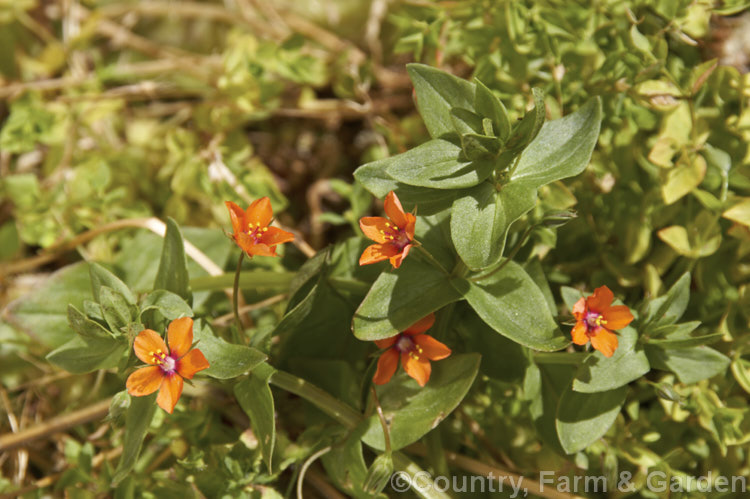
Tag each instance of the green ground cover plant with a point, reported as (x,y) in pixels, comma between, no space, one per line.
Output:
(356,249)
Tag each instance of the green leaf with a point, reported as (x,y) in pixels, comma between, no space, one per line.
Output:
(413,411)
(741,371)
(85,327)
(138,418)
(438,164)
(437,92)
(512,304)
(582,418)
(502,358)
(481,218)
(668,308)
(256,399)
(103,277)
(530,125)
(400,298)
(679,336)
(226,359)
(115,308)
(43,314)
(79,356)
(689,364)
(168,304)
(563,147)
(173,273)
(570,296)
(487,103)
(345,464)
(598,373)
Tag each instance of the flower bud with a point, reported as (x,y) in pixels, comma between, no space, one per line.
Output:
(558,218)
(379,474)
(118,407)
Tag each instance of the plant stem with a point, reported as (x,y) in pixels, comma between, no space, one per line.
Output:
(432,259)
(323,400)
(510,256)
(235,296)
(383,424)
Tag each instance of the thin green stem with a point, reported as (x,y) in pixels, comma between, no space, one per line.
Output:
(235,296)
(383,424)
(432,259)
(507,260)
(323,400)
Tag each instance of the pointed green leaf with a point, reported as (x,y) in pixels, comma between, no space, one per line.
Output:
(374,178)
(598,373)
(400,298)
(514,306)
(256,399)
(85,327)
(79,356)
(413,411)
(168,304)
(437,92)
(583,418)
(689,364)
(487,104)
(226,359)
(438,164)
(115,308)
(138,418)
(103,277)
(173,273)
(480,219)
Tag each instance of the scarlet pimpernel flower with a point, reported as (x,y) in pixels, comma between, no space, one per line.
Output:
(167,366)
(596,319)
(415,349)
(394,235)
(251,231)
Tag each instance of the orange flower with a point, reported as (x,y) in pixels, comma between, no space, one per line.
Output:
(596,319)
(394,235)
(251,230)
(416,351)
(167,365)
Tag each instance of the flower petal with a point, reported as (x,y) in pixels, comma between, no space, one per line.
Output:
(398,259)
(387,342)
(259,212)
(170,392)
(377,253)
(387,364)
(600,300)
(605,341)
(431,348)
(274,236)
(191,363)
(147,343)
(417,367)
(421,325)
(180,336)
(394,210)
(411,222)
(144,381)
(371,227)
(237,215)
(579,333)
(579,309)
(617,317)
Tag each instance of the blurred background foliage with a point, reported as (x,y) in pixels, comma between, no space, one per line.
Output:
(113,110)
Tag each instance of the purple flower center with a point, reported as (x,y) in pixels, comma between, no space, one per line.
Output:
(404,344)
(168,364)
(593,320)
(256,231)
(396,236)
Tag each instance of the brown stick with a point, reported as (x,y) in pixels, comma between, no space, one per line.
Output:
(87,414)
(478,468)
